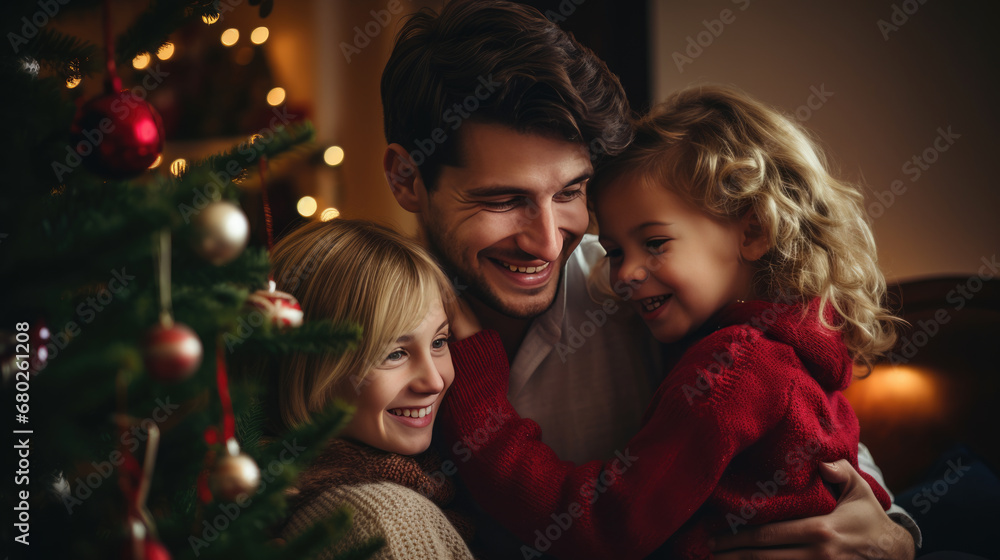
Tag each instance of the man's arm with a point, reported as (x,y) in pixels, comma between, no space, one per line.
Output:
(866,463)
(858,527)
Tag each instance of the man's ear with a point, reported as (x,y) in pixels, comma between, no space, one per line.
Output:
(754,241)
(404,178)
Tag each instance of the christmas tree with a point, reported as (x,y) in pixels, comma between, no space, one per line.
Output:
(128,294)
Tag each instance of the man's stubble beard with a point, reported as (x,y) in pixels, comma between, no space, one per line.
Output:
(468,283)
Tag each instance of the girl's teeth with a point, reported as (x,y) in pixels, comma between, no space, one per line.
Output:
(412,412)
(652,303)
(525,269)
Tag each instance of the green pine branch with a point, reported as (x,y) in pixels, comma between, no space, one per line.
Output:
(65,55)
(154,26)
(234,162)
(313,337)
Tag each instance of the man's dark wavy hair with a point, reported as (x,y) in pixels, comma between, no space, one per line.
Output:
(531,76)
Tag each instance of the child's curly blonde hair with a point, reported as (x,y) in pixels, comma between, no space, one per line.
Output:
(729,154)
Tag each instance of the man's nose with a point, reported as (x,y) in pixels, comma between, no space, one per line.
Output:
(540,234)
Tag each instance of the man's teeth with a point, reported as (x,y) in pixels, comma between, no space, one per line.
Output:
(651,303)
(525,269)
(412,412)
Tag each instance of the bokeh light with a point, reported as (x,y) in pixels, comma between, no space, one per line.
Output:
(307,206)
(166,51)
(259,35)
(230,36)
(141,61)
(276,96)
(333,156)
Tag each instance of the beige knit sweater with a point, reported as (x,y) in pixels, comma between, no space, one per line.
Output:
(412,526)
(390,495)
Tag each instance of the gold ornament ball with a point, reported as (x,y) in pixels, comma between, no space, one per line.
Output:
(222,232)
(234,475)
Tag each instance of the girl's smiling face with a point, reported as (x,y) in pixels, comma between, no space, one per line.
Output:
(683,265)
(397,401)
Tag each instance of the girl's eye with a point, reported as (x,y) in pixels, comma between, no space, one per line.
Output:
(395,356)
(656,246)
(439,343)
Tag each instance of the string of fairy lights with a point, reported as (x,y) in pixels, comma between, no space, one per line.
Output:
(333,156)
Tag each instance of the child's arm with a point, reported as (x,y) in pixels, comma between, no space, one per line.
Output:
(624,508)
(857,528)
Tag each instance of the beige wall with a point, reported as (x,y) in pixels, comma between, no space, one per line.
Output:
(889,98)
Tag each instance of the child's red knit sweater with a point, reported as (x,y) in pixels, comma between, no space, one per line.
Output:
(731,438)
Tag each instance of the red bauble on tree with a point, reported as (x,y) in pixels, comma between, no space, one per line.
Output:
(142,544)
(150,550)
(280,309)
(118,135)
(171,352)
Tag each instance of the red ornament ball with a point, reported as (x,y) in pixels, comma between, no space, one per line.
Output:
(39,340)
(140,544)
(13,344)
(234,475)
(171,353)
(117,135)
(151,550)
(279,308)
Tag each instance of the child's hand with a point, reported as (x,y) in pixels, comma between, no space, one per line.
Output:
(464,322)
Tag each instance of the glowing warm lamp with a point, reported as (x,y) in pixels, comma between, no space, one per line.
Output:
(210,18)
(178,167)
(307,206)
(140,61)
(276,96)
(333,156)
(901,390)
(230,36)
(166,51)
(329,214)
(259,35)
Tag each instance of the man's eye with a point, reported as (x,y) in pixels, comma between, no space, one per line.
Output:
(570,194)
(501,205)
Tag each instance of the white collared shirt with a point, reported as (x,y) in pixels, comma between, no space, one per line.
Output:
(585,370)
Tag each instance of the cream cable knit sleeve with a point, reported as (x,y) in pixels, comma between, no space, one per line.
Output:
(412,525)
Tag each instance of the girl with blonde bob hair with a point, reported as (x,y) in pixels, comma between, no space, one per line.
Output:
(365,274)
(756,269)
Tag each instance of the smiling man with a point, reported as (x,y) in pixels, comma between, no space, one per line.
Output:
(495,119)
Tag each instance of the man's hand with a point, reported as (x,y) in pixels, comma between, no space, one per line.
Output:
(463,321)
(856,528)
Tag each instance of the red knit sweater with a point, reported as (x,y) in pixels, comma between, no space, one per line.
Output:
(731,438)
